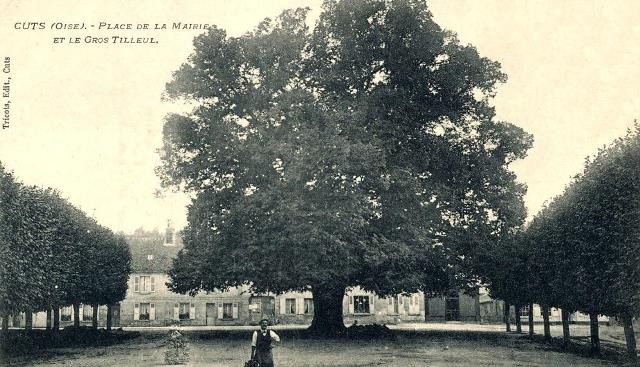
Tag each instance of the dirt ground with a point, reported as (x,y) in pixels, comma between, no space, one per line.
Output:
(448,345)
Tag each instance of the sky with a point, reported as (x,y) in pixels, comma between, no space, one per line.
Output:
(87,118)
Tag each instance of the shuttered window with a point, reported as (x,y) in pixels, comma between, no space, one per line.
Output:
(183,312)
(145,311)
(144,284)
(227,311)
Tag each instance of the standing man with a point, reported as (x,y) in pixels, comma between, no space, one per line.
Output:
(261,344)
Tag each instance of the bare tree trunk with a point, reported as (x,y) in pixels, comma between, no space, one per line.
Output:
(518,321)
(531,331)
(28,320)
(5,321)
(56,319)
(566,335)
(477,307)
(49,313)
(76,315)
(94,320)
(109,316)
(507,322)
(547,326)
(630,337)
(595,337)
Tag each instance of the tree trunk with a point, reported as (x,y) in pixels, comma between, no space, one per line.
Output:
(76,315)
(49,313)
(56,319)
(531,331)
(327,306)
(507,322)
(566,335)
(28,320)
(5,321)
(545,320)
(94,319)
(109,316)
(630,337)
(595,337)
(426,307)
(477,306)
(518,321)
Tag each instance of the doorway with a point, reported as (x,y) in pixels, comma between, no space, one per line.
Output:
(211,313)
(452,307)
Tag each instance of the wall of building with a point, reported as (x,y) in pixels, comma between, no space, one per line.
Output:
(285,315)
(383,310)
(467,309)
(492,311)
(207,309)
(203,309)
(40,318)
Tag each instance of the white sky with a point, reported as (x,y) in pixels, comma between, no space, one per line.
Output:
(87,118)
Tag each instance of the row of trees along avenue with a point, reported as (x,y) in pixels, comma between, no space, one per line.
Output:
(363,152)
(581,251)
(53,255)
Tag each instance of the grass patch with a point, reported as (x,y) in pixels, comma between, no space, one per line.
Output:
(21,342)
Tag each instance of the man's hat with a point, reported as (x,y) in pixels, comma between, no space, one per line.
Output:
(264,319)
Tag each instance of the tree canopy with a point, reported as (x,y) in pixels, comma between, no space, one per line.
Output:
(581,251)
(53,254)
(362,152)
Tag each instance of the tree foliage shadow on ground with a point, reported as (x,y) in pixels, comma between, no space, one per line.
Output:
(42,344)
(36,342)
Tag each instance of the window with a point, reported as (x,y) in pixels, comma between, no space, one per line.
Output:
(183,311)
(65,313)
(227,311)
(290,306)
(87,313)
(361,304)
(308,306)
(145,309)
(524,311)
(144,283)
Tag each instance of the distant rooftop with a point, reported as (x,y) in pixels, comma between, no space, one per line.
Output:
(152,251)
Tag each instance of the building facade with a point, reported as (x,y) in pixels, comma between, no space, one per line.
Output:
(149,302)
